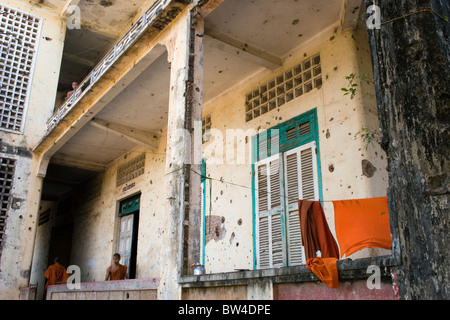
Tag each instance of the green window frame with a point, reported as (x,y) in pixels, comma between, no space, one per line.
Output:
(129,205)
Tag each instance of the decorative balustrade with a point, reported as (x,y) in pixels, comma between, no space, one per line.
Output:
(148,18)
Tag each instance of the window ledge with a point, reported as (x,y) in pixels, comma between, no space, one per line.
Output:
(348,270)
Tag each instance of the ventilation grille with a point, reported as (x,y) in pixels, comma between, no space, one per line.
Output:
(93,188)
(130,170)
(18,45)
(286,87)
(6,178)
(44,217)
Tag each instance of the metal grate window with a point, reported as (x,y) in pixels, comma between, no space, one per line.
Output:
(18,45)
(130,170)
(284,88)
(6,177)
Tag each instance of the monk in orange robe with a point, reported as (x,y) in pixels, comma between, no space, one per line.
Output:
(116,271)
(55,274)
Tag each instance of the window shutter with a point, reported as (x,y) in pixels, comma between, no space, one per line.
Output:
(264,241)
(275,189)
(271,243)
(295,250)
(301,183)
(308,181)
(125,238)
(277,240)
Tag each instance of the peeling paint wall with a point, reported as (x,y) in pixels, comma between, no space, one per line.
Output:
(17,249)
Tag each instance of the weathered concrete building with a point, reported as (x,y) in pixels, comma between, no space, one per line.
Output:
(159,151)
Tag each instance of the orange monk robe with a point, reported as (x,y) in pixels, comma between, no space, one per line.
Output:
(119,274)
(325,269)
(55,274)
(362,224)
(316,234)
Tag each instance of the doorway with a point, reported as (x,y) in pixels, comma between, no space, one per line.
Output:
(128,233)
(61,244)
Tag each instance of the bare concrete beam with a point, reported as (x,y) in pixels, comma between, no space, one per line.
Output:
(242,49)
(74,163)
(351,13)
(62,182)
(141,137)
(208,6)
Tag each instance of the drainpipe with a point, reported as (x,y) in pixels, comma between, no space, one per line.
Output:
(181,229)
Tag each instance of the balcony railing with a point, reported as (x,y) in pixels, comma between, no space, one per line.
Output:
(142,289)
(148,18)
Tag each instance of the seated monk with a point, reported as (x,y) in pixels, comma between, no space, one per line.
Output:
(116,271)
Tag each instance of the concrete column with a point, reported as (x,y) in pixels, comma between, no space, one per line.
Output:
(183,185)
(22,223)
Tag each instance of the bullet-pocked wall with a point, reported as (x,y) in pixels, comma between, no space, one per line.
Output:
(229,241)
(349,168)
(96,227)
(21,221)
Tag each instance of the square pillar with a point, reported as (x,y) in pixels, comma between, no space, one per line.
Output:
(184,143)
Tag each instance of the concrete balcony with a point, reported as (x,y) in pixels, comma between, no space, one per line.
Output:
(142,289)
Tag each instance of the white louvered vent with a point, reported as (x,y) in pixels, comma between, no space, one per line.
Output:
(264,241)
(292,178)
(277,241)
(275,193)
(19,34)
(295,256)
(263,194)
(308,188)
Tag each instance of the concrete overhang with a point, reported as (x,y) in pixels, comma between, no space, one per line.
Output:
(242,38)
